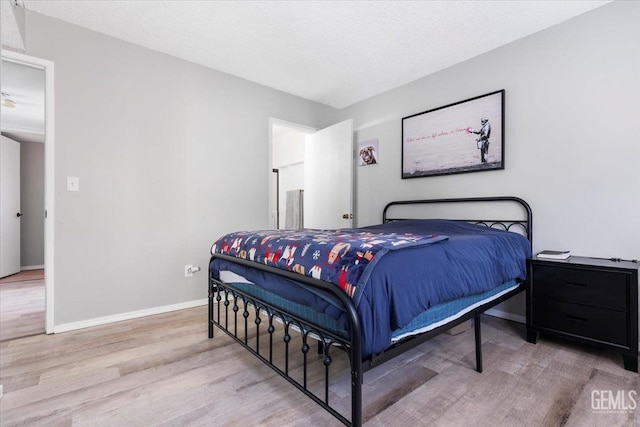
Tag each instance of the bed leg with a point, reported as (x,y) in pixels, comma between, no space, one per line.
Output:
(476,325)
(210,322)
(356,394)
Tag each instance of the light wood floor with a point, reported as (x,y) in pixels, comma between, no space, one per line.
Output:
(22,302)
(163,370)
(23,276)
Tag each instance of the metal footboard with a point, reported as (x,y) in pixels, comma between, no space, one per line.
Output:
(229,305)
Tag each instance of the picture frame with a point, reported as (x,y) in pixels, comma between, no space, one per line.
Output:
(369,152)
(466,136)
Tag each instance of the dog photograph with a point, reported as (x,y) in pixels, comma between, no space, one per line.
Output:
(368,152)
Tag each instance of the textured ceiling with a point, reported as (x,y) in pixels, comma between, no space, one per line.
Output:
(333,52)
(25,86)
(10,30)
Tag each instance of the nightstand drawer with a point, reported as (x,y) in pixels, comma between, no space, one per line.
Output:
(600,324)
(592,287)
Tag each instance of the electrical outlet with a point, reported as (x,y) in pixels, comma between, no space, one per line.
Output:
(188,270)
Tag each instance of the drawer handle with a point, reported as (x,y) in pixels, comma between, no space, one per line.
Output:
(579,319)
(578,285)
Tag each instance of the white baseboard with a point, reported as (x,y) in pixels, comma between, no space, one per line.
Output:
(65,327)
(31,267)
(506,315)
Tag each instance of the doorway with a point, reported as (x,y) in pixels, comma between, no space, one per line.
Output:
(287,166)
(26,130)
(312,176)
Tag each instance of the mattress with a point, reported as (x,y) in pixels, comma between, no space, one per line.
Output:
(405,283)
(428,320)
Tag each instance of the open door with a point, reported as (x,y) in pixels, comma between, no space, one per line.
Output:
(328,177)
(9,206)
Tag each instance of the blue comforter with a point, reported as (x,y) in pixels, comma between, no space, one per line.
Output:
(343,257)
(407,281)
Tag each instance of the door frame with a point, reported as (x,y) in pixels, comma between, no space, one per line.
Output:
(49,176)
(307,130)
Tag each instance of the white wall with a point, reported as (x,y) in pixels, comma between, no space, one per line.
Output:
(571,110)
(288,148)
(288,157)
(572,105)
(170,155)
(163,148)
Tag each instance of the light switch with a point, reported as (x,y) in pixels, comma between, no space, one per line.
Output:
(73,183)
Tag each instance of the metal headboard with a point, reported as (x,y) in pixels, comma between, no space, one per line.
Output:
(525,222)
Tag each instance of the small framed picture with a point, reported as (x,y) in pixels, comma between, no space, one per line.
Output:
(368,152)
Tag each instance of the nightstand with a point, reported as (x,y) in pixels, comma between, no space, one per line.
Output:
(589,300)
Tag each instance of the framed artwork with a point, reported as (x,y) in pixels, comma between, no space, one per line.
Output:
(467,136)
(368,152)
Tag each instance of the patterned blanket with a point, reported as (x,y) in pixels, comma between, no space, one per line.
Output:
(343,257)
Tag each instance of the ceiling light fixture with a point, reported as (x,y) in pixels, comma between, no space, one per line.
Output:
(7,101)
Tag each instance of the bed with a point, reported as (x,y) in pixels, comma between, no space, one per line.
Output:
(373,292)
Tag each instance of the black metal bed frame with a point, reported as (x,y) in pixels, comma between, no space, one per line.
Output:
(228,303)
